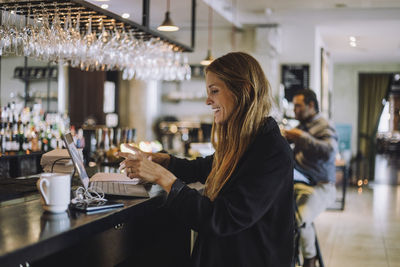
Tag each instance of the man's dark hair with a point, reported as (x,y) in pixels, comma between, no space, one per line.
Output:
(309,96)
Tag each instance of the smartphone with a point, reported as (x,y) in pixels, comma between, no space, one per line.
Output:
(96,206)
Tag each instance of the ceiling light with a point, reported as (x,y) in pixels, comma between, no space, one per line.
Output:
(167,25)
(104,6)
(125,15)
(352,39)
(209,58)
(353,44)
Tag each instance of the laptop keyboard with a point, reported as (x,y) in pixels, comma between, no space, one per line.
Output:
(110,188)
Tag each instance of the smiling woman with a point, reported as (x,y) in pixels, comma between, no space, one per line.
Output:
(220,98)
(245,216)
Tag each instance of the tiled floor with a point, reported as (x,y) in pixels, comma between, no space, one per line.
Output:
(366,233)
(387,169)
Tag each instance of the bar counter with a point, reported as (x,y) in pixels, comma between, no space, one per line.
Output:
(142,233)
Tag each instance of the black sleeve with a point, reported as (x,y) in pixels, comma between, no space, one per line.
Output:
(263,174)
(191,171)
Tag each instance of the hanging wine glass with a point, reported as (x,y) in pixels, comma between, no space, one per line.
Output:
(188,72)
(19,37)
(90,51)
(43,43)
(56,39)
(28,35)
(35,48)
(10,39)
(3,32)
(101,46)
(77,43)
(68,46)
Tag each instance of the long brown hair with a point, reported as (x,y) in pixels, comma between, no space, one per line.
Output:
(245,78)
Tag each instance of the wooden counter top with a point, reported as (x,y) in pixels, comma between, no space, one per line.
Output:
(29,235)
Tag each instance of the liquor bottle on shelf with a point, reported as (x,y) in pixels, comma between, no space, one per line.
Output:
(2,138)
(8,138)
(24,130)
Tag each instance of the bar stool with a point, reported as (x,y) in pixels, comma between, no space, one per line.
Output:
(298,259)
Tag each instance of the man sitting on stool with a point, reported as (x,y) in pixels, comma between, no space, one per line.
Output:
(315,149)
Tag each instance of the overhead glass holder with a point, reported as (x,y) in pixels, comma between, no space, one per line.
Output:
(99,17)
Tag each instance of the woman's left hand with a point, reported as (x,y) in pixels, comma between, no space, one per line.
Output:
(137,165)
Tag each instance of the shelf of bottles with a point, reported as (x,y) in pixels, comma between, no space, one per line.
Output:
(25,130)
(101,143)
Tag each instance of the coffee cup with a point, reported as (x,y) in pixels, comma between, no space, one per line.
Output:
(55,191)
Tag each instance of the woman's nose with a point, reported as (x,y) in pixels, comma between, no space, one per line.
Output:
(208,100)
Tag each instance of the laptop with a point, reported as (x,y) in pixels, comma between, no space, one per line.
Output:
(115,184)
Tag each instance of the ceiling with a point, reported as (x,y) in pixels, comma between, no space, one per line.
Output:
(375,23)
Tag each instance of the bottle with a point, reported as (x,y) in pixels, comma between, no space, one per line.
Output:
(20,135)
(8,138)
(2,139)
(45,141)
(34,140)
(15,137)
(26,147)
(52,138)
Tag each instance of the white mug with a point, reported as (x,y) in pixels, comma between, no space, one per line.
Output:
(55,189)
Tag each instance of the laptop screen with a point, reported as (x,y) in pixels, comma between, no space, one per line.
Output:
(76,159)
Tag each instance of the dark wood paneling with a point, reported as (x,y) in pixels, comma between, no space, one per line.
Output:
(86,94)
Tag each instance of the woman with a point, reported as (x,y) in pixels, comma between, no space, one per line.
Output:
(245,216)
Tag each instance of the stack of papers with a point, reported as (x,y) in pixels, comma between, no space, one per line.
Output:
(61,160)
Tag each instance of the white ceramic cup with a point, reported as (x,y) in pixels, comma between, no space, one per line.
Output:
(55,189)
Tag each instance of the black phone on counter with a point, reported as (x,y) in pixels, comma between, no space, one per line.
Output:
(96,206)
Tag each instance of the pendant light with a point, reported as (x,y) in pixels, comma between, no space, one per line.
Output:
(209,58)
(167,25)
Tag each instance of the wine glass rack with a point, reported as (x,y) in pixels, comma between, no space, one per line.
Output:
(86,11)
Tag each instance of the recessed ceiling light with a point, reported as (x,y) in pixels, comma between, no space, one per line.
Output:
(268,11)
(104,6)
(352,39)
(353,44)
(125,15)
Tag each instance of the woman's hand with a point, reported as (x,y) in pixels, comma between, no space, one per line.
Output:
(139,164)
(160,158)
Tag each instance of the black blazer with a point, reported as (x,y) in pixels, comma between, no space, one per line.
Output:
(251,221)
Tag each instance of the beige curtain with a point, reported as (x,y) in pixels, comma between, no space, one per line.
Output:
(373,88)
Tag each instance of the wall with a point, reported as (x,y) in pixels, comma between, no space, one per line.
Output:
(253,40)
(143,105)
(12,88)
(298,43)
(345,92)
(193,107)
